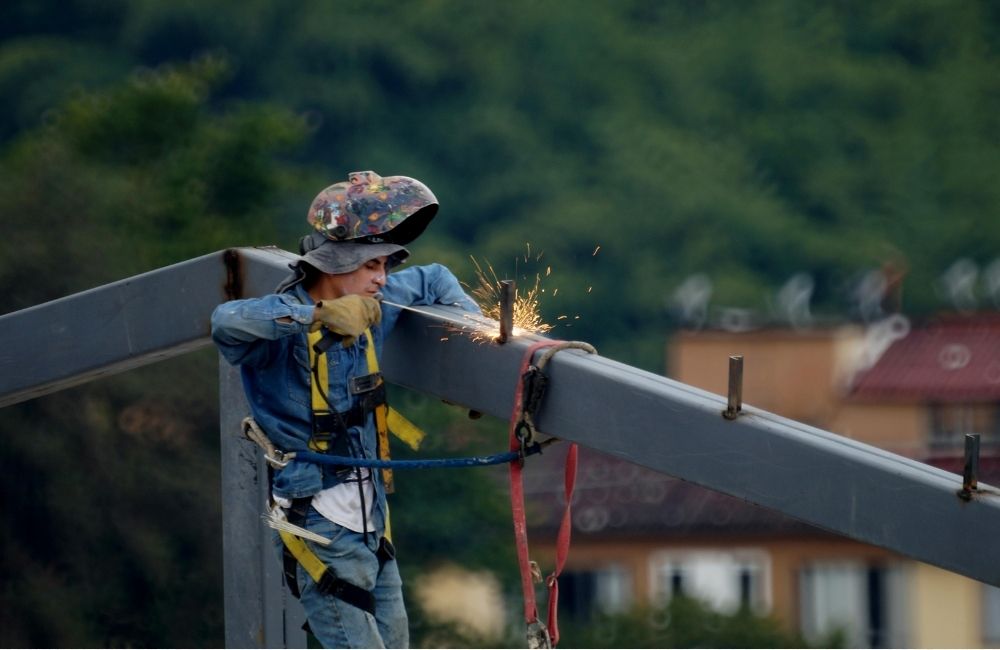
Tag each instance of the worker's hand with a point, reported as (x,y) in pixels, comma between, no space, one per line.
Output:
(349,316)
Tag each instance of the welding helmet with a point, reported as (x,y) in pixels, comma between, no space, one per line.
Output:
(368,208)
(365,217)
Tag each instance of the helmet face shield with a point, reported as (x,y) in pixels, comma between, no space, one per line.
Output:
(368,207)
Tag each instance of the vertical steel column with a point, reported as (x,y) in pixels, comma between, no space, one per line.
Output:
(260,613)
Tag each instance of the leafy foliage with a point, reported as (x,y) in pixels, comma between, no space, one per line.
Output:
(687,623)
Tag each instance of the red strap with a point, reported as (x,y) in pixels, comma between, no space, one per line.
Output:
(517,489)
(562,545)
(517,509)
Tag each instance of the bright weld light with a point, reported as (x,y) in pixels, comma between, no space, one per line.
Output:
(527,319)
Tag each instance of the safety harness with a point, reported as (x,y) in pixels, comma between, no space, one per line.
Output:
(330,433)
(329,445)
(330,426)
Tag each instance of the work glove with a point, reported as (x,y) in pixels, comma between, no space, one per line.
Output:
(349,316)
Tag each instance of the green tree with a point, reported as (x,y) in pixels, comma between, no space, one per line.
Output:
(112,521)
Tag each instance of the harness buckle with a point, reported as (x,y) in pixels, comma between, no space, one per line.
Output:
(365,383)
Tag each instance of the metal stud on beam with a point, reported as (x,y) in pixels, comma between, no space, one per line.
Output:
(508,293)
(735,400)
(970,473)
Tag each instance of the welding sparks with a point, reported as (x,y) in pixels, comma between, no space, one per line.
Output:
(527,318)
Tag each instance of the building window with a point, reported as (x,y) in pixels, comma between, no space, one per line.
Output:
(726,580)
(950,422)
(863,602)
(607,590)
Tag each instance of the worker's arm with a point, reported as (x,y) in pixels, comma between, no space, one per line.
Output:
(244,330)
(422,285)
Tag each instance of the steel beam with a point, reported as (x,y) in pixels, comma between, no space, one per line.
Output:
(832,482)
(126,324)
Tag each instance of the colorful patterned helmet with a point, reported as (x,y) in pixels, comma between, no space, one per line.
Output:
(369,208)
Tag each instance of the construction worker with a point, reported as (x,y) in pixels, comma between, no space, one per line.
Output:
(305,398)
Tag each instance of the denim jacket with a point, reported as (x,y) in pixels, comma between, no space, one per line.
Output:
(274,363)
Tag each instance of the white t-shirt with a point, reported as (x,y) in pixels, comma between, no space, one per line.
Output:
(341,503)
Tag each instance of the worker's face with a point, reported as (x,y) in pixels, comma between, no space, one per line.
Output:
(366,280)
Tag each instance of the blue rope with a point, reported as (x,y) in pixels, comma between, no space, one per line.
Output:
(471,461)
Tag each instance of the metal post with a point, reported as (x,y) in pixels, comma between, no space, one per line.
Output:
(971,468)
(508,294)
(735,398)
(260,613)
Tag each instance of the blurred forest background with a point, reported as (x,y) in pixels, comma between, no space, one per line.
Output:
(629,153)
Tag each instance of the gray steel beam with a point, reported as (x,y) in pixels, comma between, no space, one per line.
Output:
(832,482)
(126,324)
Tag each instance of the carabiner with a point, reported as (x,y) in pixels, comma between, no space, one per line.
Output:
(538,635)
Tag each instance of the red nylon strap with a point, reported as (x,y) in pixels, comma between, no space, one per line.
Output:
(517,509)
(562,545)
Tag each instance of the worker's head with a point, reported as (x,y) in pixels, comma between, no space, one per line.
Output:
(364,219)
(359,269)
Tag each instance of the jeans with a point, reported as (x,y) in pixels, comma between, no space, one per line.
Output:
(337,624)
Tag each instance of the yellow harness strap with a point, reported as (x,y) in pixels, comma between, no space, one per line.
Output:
(319,405)
(312,564)
(386,419)
(326,580)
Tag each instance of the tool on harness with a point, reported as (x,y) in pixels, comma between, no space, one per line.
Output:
(278,520)
(527,397)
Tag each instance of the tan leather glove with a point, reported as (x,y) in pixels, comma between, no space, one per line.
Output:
(349,316)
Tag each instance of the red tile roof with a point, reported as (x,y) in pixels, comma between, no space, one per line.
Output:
(951,359)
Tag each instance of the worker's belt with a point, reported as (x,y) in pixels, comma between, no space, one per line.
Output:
(296,551)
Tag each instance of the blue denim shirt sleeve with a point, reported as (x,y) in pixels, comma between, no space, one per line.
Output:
(432,284)
(242,328)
